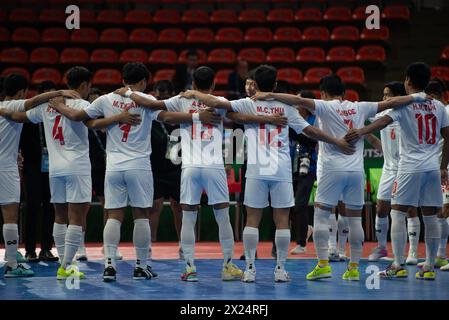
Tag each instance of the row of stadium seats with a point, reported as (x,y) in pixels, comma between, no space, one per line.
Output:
(173,16)
(341,54)
(196,35)
(445,55)
(441,72)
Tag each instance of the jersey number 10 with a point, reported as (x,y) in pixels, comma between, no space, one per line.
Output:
(429,121)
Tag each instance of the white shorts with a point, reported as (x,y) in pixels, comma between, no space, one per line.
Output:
(445,190)
(386,185)
(9,187)
(196,180)
(346,186)
(71,189)
(257,191)
(133,187)
(419,189)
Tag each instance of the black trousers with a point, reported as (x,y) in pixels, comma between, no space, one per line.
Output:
(39,212)
(304,186)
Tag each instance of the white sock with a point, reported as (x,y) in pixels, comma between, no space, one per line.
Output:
(72,242)
(225,233)
(111,239)
(321,233)
(413,230)
(333,228)
(432,235)
(59,231)
(343,232)
(142,241)
(188,236)
(11,237)
(250,241)
(282,239)
(398,232)
(82,244)
(444,226)
(356,237)
(382,226)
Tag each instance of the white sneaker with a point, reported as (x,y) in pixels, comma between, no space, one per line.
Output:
(378,253)
(412,259)
(298,250)
(334,256)
(81,254)
(343,257)
(249,275)
(445,268)
(280,275)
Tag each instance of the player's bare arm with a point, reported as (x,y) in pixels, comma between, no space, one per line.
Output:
(445,156)
(140,100)
(20,117)
(374,141)
(396,102)
(206,116)
(122,117)
(320,135)
(45,97)
(207,99)
(286,98)
(244,118)
(73,114)
(355,134)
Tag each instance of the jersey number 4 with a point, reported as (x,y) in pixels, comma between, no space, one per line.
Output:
(429,123)
(57,131)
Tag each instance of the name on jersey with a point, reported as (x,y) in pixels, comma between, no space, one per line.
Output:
(272,110)
(347,113)
(123,105)
(428,107)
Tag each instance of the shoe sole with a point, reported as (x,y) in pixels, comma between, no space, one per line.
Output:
(109,278)
(141,278)
(281,280)
(320,277)
(248,281)
(426,279)
(21,276)
(231,278)
(81,259)
(352,279)
(190,280)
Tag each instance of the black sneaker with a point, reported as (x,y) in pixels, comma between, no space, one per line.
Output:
(144,274)
(109,274)
(46,255)
(31,257)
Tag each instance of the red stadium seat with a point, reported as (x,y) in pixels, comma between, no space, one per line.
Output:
(258,35)
(315,34)
(287,34)
(311,54)
(352,95)
(104,56)
(281,15)
(281,55)
(164,74)
(138,16)
(113,35)
(24,72)
(30,35)
(290,75)
(55,35)
(202,56)
(221,56)
(74,55)
(345,33)
(440,72)
(44,74)
(224,16)
(166,56)
(44,55)
(133,55)
(382,34)
(222,77)
(172,35)
(107,77)
(88,16)
(166,16)
(396,12)
(314,75)
(143,35)
(53,15)
(252,55)
(351,75)
(371,53)
(341,54)
(445,53)
(309,15)
(359,13)
(337,14)
(195,16)
(14,55)
(23,15)
(251,16)
(4,34)
(84,35)
(200,35)
(225,35)
(110,16)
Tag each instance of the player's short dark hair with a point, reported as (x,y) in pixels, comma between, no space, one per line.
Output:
(14,83)
(77,75)
(332,85)
(45,86)
(164,86)
(307,94)
(203,77)
(265,77)
(436,86)
(282,87)
(418,74)
(133,72)
(251,75)
(397,88)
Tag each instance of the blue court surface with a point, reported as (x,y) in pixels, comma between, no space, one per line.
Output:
(210,287)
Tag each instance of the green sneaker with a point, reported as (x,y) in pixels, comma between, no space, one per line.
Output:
(70,271)
(352,274)
(19,257)
(440,262)
(320,273)
(190,275)
(393,272)
(19,272)
(424,274)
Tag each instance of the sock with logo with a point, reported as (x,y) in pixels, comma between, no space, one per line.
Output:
(11,236)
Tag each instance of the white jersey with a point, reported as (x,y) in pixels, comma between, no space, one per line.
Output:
(336,118)
(10,136)
(390,139)
(420,123)
(127,147)
(201,144)
(268,145)
(67,140)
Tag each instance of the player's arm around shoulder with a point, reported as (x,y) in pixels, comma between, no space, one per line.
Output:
(121,117)
(396,102)
(246,118)
(207,116)
(317,134)
(141,100)
(71,113)
(46,96)
(16,116)
(209,100)
(290,99)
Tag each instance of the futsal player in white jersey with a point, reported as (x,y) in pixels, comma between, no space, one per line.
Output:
(203,169)
(342,176)
(128,169)
(269,167)
(420,173)
(15,89)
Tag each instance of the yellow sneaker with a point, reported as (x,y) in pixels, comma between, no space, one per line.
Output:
(320,273)
(231,272)
(70,271)
(352,274)
(424,274)
(440,262)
